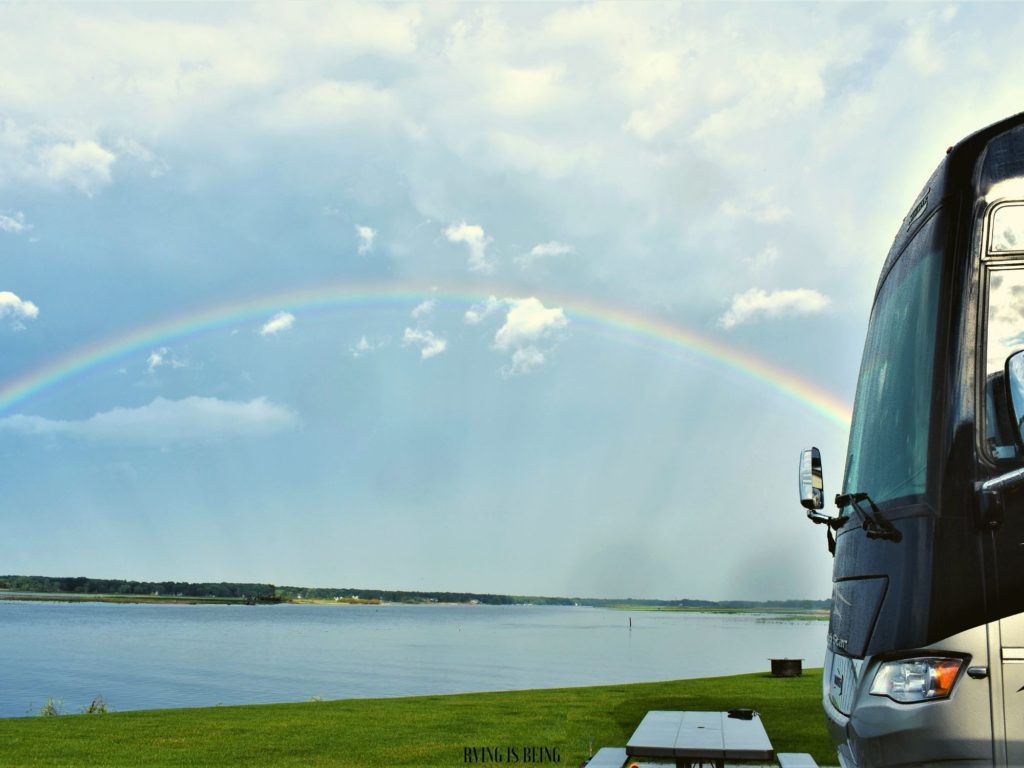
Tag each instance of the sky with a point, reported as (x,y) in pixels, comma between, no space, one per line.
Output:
(538,298)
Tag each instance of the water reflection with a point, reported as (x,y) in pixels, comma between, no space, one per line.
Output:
(150,656)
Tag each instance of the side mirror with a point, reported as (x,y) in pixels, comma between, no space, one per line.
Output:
(812,487)
(1015,393)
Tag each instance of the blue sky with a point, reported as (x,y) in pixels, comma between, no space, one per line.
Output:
(735,171)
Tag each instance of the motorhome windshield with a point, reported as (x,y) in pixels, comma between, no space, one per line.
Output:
(888,450)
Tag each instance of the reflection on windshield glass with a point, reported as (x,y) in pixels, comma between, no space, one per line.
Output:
(1008,229)
(1015,385)
(889,433)
(1004,335)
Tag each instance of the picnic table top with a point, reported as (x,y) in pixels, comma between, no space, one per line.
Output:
(708,735)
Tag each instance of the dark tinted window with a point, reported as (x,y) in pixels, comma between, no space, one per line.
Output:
(888,455)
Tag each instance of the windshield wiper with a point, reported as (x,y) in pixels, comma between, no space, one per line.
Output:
(874,524)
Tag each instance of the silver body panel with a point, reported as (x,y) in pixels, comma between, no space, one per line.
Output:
(1009,679)
(966,729)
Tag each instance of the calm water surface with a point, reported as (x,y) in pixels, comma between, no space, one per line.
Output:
(154,656)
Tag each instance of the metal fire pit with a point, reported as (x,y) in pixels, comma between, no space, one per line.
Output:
(787,667)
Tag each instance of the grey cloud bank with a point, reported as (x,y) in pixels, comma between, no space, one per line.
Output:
(163,422)
(731,173)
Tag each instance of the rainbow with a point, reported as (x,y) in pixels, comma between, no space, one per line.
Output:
(658,330)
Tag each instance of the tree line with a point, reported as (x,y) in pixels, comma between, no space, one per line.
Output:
(87,586)
(223,589)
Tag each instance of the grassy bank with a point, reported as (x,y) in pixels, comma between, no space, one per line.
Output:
(417,731)
(809,614)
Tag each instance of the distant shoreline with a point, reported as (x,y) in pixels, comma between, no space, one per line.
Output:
(78,588)
(781,614)
(72,597)
(809,614)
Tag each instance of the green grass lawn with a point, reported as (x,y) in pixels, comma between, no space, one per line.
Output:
(416,731)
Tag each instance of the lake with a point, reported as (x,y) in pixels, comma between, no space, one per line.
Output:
(140,656)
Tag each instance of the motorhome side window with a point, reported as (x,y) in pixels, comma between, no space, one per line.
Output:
(1004,324)
(888,453)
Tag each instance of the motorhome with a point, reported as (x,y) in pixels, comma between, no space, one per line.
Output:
(925,651)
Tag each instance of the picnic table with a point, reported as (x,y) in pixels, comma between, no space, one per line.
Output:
(696,738)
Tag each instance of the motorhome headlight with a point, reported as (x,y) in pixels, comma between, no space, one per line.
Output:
(922,679)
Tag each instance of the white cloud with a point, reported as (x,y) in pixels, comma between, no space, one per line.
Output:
(50,155)
(761,206)
(282,321)
(924,46)
(476,313)
(475,239)
(423,309)
(364,346)
(191,420)
(156,359)
(429,344)
(764,258)
(155,72)
(17,309)
(82,164)
(154,165)
(329,103)
(648,123)
(15,223)
(382,29)
(163,356)
(527,321)
(518,91)
(757,303)
(752,89)
(366,236)
(550,158)
(543,251)
(361,346)
(523,361)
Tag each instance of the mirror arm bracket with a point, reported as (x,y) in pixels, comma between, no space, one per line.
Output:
(990,504)
(990,509)
(832,522)
(1003,482)
(876,526)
